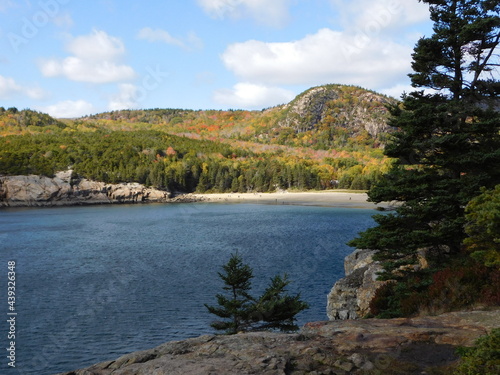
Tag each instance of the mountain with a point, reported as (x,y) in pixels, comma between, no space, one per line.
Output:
(329,136)
(322,117)
(349,107)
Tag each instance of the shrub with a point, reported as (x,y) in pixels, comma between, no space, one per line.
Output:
(481,359)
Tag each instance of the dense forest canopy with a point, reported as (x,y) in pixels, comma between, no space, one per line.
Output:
(210,150)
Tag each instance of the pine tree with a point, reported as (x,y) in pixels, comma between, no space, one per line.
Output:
(483,227)
(447,141)
(276,309)
(237,306)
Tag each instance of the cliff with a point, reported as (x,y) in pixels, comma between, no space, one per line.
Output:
(350,296)
(65,189)
(395,346)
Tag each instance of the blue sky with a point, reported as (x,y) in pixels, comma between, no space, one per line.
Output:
(70,58)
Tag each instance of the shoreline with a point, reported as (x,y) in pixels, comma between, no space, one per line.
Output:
(327,198)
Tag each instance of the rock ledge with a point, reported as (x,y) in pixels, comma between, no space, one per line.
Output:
(410,346)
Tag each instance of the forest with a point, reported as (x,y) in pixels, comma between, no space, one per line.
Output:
(196,151)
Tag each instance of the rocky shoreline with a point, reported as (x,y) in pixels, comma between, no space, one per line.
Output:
(362,346)
(343,345)
(68,189)
(65,189)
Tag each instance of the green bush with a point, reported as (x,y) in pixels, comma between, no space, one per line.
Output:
(481,359)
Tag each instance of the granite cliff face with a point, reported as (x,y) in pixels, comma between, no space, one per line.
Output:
(65,189)
(365,346)
(350,297)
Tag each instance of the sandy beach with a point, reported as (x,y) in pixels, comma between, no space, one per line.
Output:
(329,198)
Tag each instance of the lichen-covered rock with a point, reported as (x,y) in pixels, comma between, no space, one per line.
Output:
(350,297)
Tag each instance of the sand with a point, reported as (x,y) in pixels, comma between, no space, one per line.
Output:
(329,198)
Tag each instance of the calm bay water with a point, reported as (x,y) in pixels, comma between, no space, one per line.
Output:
(94,283)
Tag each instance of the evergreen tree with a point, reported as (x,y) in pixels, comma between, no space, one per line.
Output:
(483,227)
(276,309)
(447,142)
(236,307)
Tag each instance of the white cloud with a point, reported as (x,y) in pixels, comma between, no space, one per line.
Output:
(10,88)
(397,90)
(325,57)
(69,109)
(96,46)
(271,13)
(252,96)
(77,69)
(35,93)
(127,98)
(378,16)
(95,59)
(159,35)
(371,46)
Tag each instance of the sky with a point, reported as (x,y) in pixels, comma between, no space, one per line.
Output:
(71,58)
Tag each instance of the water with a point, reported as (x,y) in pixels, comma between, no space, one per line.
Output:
(94,283)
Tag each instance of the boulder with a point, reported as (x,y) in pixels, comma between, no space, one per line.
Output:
(31,190)
(350,297)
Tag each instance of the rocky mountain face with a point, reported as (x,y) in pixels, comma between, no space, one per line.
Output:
(38,191)
(365,346)
(349,107)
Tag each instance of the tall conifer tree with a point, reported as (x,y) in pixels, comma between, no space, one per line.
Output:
(447,139)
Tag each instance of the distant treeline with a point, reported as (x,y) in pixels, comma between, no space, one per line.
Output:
(154,159)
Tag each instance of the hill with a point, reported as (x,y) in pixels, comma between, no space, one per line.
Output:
(329,136)
(322,118)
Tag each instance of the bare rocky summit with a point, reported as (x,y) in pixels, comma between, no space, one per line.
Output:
(365,346)
(350,107)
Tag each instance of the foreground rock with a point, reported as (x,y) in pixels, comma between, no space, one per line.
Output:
(395,346)
(350,297)
(64,189)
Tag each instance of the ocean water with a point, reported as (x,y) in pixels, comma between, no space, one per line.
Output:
(96,282)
